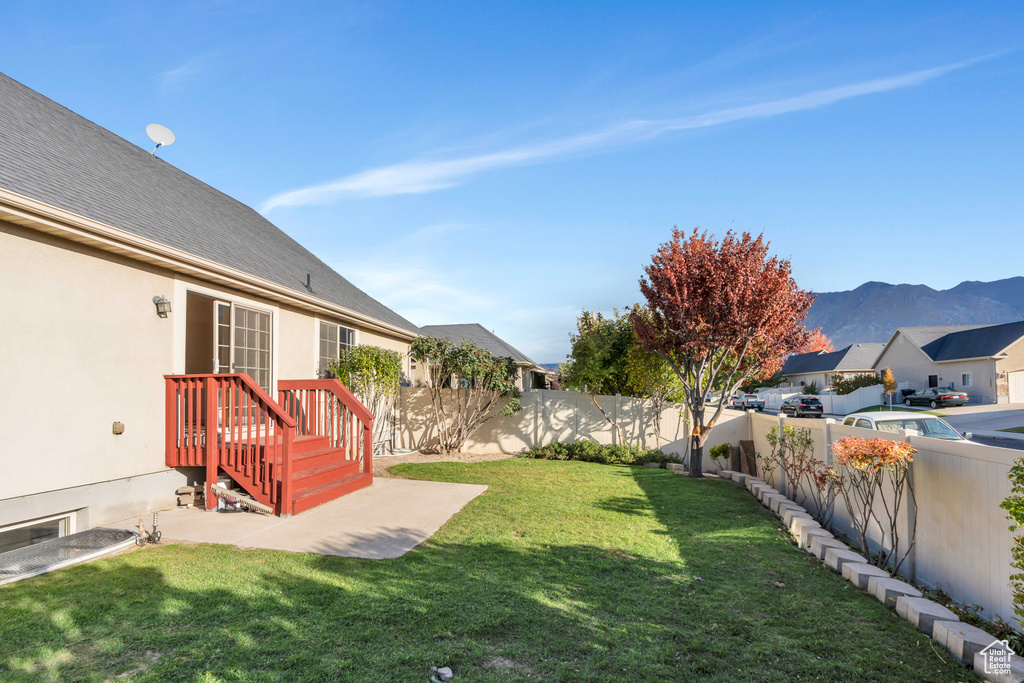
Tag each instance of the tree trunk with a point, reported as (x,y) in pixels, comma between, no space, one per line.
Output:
(697,445)
(696,458)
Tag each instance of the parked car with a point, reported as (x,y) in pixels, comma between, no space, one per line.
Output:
(750,401)
(936,398)
(894,421)
(802,406)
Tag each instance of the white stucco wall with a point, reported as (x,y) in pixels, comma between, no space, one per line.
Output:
(910,364)
(81,347)
(1014,362)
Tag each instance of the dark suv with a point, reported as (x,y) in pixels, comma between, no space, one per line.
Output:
(802,406)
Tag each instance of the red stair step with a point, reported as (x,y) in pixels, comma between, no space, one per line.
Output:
(313,477)
(310,498)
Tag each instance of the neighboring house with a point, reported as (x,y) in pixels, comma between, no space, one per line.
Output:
(531,375)
(986,361)
(96,237)
(819,368)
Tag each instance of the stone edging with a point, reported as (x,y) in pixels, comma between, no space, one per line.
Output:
(963,641)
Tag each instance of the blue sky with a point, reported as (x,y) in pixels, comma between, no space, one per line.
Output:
(510,164)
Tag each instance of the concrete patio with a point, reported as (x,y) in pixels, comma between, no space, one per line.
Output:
(385,520)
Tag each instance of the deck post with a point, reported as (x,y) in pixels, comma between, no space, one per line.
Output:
(287,433)
(368,448)
(171,424)
(210,451)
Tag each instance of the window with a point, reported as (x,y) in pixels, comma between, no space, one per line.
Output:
(39,530)
(965,379)
(252,345)
(333,340)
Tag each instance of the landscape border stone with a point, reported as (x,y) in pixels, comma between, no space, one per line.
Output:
(837,557)
(963,641)
(888,589)
(923,613)
(860,574)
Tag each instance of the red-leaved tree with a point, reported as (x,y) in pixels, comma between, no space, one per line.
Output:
(816,343)
(721,313)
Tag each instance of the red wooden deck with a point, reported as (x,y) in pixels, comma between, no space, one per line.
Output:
(311,446)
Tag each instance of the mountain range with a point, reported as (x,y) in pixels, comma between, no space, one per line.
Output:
(873,311)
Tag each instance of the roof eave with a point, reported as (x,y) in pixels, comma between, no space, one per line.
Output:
(31,213)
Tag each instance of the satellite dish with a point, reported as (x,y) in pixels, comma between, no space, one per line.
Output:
(161,135)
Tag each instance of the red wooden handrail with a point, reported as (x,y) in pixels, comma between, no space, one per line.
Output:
(302,399)
(229,421)
(347,398)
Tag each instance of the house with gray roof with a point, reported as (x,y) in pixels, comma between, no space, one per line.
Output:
(819,368)
(121,275)
(986,361)
(531,375)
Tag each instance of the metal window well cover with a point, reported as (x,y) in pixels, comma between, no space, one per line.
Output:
(47,556)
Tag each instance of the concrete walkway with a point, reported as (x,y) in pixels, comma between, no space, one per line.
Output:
(385,520)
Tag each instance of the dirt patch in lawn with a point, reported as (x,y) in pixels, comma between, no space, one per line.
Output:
(381,464)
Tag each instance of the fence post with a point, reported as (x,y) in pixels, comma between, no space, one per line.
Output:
(909,568)
(576,418)
(538,406)
(828,440)
(782,457)
(615,420)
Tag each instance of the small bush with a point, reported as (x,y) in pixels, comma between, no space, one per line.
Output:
(842,386)
(722,452)
(588,451)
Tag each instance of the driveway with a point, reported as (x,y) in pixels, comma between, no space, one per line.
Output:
(985,418)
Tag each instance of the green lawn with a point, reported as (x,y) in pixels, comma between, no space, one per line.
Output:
(896,408)
(560,571)
(1015,430)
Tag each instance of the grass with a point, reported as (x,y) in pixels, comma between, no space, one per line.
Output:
(1015,430)
(561,571)
(897,408)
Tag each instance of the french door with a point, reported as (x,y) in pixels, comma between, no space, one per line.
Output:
(242,341)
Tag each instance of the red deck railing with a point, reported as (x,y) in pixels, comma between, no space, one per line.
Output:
(228,421)
(325,407)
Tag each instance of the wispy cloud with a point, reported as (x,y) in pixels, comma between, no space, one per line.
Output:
(174,79)
(417,177)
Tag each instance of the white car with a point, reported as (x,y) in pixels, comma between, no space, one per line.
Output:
(914,423)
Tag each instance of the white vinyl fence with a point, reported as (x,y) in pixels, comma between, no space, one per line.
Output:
(832,404)
(962,544)
(568,416)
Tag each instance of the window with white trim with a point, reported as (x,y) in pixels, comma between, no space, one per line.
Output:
(333,340)
(965,379)
(24,534)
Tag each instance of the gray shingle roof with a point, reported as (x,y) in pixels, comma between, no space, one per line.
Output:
(964,341)
(52,155)
(479,335)
(853,358)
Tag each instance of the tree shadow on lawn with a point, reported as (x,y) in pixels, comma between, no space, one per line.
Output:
(491,611)
(782,605)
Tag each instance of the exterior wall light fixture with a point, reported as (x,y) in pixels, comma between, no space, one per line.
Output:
(163,306)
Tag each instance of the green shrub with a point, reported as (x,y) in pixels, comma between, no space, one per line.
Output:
(843,386)
(588,451)
(583,450)
(723,452)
